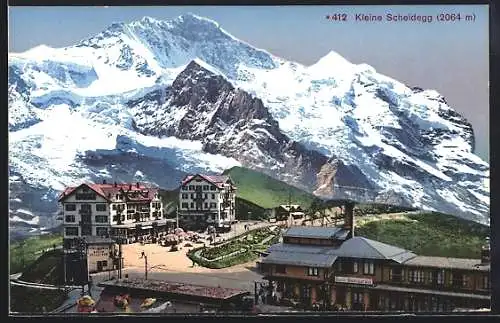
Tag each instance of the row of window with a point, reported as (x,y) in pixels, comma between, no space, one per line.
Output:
(196,188)
(98,218)
(397,273)
(191,205)
(101,207)
(86,196)
(434,277)
(73,231)
(353,267)
(193,195)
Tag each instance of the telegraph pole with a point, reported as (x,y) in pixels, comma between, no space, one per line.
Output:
(120,259)
(177,217)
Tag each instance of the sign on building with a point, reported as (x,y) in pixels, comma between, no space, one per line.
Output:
(354,280)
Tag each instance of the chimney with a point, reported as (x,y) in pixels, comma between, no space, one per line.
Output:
(138,185)
(485,252)
(116,184)
(130,187)
(104,181)
(349,218)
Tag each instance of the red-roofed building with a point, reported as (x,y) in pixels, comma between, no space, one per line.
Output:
(120,211)
(207,200)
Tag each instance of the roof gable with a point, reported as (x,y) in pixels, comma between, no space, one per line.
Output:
(70,190)
(217,180)
(108,191)
(361,247)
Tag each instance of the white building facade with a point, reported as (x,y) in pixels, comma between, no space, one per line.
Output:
(207,200)
(106,211)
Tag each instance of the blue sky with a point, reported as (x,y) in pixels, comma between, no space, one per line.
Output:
(449,57)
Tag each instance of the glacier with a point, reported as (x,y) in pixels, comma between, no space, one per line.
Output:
(70,119)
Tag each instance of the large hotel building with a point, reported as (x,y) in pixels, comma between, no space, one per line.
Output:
(330,268)
(103,214)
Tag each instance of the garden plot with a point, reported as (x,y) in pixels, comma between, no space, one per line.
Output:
(238,250)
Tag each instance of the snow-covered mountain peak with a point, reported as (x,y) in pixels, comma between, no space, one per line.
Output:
(333,59)
(333,64)
(335,128)
(191,18)
(40,50)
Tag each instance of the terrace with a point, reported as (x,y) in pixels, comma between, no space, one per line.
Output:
(176,290)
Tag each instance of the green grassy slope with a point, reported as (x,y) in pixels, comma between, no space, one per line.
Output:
(47,269)
(264,190)
(430,234)
(24,253)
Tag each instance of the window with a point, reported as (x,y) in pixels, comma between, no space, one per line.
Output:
(184,206)
(86,207)
(206,205)
(85,196)
(465,281)
(212,188)
(280,269)
(213,196)
(312,271)
(205,187)
(486,282)
(113,207)
(71,231)
(70,207)
(339,267)
(191,187)
(213,205)
(86,231)
(100,207)
(192,205)
(354,266)
(416,276)
(430,277)
(440,277)
(69,218)
(396,274)
(457,279)
(369,268)
(101,219)
(185,195)
(100,231)
(357,298)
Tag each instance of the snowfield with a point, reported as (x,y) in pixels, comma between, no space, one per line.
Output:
(67,105)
